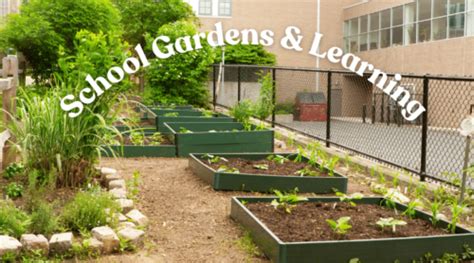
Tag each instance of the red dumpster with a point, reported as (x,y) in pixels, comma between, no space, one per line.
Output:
(310,106)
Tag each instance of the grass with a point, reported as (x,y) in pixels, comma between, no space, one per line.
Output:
(246,244)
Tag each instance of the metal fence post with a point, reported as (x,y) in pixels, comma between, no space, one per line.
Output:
(214,86)
(328,111)
(274,97)
(238,84)
(424,128)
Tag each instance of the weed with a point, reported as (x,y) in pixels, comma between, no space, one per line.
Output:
(137,138)
(390,222)
(14,190)
(246,244)
(43,219)
(226,169)
(287,202)
(341,226)
(125,245)
(395,181)
(420,190)
(133,186)
(290,142)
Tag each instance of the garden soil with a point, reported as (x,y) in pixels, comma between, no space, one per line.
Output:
(189,222)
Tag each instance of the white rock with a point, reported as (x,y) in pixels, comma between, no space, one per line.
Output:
(107,171)
(95,245)
(60,243)
(111,177)
(125,204)
(108,237)
(123,225)
(9,245)
(137,217)
(114,184)
(118,193)
(35,242)
(121,217)
(134,236)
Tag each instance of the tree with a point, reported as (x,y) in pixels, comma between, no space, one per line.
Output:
(248,54)
(180,78)
(140,17)
(45,25)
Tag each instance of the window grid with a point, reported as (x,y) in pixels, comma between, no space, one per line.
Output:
(205,7)
(446,19)
(225,7)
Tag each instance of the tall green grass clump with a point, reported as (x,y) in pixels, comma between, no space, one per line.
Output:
(88,210)
(13,221)
(43,219)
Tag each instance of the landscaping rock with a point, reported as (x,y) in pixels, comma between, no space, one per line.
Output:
(137,217)
(111,177)
(108,237)
(121,217)
(123,225)
(95,245)
(118,193)
(60,243)
(108,171)
(117,184)
(125,204)
(134,236)
(35,242)
(9,245)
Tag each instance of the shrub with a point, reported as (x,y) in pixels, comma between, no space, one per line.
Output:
(264,106)
(179,79)
(14,190)
(88,210)
(242,112)
(248,54)
(45,25)
(13,221)
(12,170)
(43,219)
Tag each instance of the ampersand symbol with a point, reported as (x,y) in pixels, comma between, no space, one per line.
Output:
(292,39)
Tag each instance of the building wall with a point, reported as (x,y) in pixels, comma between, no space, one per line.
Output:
(9,7)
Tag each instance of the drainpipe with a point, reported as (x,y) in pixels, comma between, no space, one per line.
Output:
(318,27)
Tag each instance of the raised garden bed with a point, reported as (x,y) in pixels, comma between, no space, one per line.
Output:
(255,172)
(129,149)
(178,112)
(304,236)
(221,137)
(216,117)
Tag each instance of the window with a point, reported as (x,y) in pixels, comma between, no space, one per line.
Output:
(225,7)
(440,8)
(384,38)
(424,9)
(375,21)
(205,7)
(397,16)
(363,42)
(354,28)
(456,26)
(353,44)
(470,24)
(424,31)
(457,6)
(374,40)
(410,13)
(397,36)
(364,24)
(410,34)
(386,16)
(470,5)
(439,28)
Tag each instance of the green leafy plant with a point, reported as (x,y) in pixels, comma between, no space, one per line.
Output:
(248,54)
(242,112)
(341,226)
(133,186)
(226,169)
(307,171)
(171,114)
(137,138)
(390,222)
(265,105)
(214,158)
(411,208)
(331,165)
(456,212)
(14,190)
(156,139)
(261,166)
(435,207)
(287,202)
(13,221)
(43,219)
(13,169)
(300,155)
(280,159)
(88,210)
(207,113)
(349,198)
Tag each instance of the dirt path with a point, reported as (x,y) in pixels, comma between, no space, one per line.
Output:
(189,222)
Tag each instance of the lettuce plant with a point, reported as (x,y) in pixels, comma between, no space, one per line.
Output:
(287,202)
(341,226)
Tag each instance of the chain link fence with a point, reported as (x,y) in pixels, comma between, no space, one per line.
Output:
(345,110)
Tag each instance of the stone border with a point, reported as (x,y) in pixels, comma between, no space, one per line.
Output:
(104,240)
